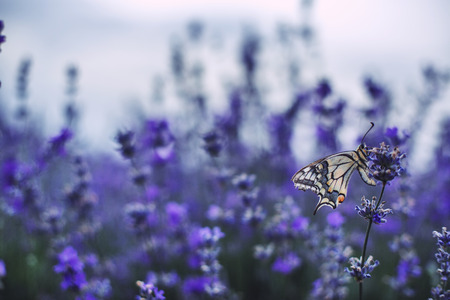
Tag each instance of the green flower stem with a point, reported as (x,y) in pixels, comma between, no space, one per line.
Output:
(369,226)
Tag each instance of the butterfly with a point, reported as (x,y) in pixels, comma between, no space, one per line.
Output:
(328,177)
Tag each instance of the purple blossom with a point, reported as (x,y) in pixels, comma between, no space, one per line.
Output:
(71,268)
(147,291)
(442,291)
(250,49)
(374,89)
(335,219)
(2,269)
(196,285)
(229,123)
(2,37)
(9,172)
(210,237)
(408,266)
(369,210)
(323,89)
(263,252)
(395,137)
(58,143)
(139,216)
(287,263)
(22,84)
(213,143)
(126,142)
(244,182)
(361,271)
(385,164)
(176,214)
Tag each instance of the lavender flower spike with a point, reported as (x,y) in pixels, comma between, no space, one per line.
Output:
(385,165)
(149,292)
(369,210)
(443,259)
(2,37)
(359,271)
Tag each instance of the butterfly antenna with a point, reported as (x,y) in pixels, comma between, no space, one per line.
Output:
(362,140)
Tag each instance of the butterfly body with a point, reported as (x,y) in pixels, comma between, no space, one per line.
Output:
(328,177)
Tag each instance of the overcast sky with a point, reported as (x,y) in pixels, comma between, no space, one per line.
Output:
(120,45)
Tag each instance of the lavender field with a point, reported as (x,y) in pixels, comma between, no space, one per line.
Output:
(193,198)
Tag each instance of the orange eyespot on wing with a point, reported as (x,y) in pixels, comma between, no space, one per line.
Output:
(341,198)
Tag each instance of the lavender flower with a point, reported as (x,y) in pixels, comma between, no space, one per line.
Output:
(58,143)
(359,271)
(178,64)
(333,253)
(9,172)
(2,37)
(139,216)
(380,97)
(147,291)
(249,51)
(22,79)
(126,142)
(208,251)
(70,110)
(385,165)
(263,252)
(323,89)
(408,266)
(98,288)
(2,269)
(71,268)
(168,279)
(253,214)
(287,263)
(52,221)
(370,210)
(230,122)
(442,291)
(213,143)
(395,137)
(2,272)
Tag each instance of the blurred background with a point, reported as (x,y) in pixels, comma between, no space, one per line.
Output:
(122,50)
(154,141)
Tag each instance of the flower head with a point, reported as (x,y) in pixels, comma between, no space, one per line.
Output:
(287,263)
(139,216)
(2,269)
(359,271)
(2,37)
(58,143)
(396,139)
(147,291)
(249,51)
(71,268)
(370,210)
(126,142)
(213,143)
(443,260)
(335,219)
(385,164)
(323,89)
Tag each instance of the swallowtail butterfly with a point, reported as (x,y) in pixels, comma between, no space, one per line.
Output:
(328,177)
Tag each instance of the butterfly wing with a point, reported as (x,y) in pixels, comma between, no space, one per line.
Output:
(328,177)
(363,169)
